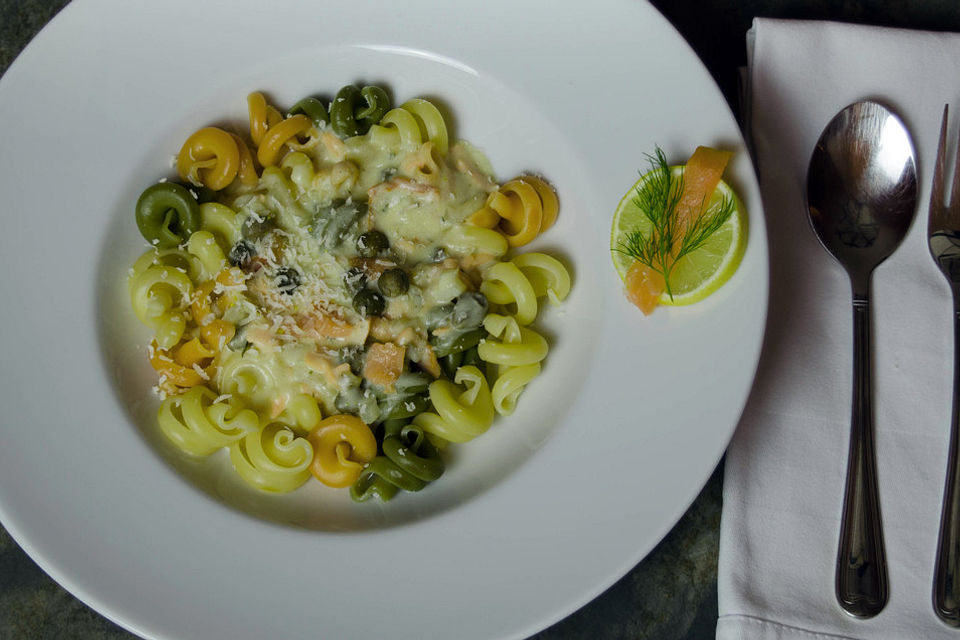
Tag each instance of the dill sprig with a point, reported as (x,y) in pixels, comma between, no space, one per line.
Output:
(665,242)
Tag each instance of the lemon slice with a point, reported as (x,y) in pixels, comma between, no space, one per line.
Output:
(701,272)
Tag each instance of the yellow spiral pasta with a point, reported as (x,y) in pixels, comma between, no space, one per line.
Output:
(411,125)
(221,221)
(522,209)
(273,459)
(505,284)
(203,245)
(270,131)
(547,275)
(464,407)
(342,445)
(299,168)
(199,425)
(209,158)
(182,367)
(290,213)
(463,240)
(511,344)
(510,383)
(158,295)
(302,414)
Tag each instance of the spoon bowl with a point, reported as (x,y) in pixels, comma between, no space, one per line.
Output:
(862,187)
(861,199)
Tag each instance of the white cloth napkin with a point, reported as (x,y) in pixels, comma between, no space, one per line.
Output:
(785,469)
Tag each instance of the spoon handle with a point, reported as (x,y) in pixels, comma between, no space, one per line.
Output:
(861,562)
(946,575)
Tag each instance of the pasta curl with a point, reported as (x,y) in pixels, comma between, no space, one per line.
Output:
(505,284)
(209,158)
(158,295)
(199,425)
(273,459)
(182,368)
(518,352)
(516,346)
(411,125)
(409,462)
(464,407)
(167,214)
(270,131)
(355,110)
(546,274)
(522,209)
(342,445)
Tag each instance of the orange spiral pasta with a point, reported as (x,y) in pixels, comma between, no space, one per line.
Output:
(342,446)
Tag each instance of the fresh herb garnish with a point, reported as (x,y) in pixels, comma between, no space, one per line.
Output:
(669,238)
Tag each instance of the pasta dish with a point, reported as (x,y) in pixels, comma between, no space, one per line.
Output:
(336,293)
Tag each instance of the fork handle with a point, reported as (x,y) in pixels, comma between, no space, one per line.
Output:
(861,580)
(946,575)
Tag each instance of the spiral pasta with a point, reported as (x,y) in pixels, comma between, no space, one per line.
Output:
(522,209)
(518,352)
(158,295)
(333,294)
(409,462)
(505,284)
(222,222)
(200,425)
(270,131)
(464,407)
(342,445)
(209,158)
(273,459)
(411,125)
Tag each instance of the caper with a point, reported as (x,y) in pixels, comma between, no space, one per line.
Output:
(256,225)
(241,254)
(453,342)
(353,355)
(369,303)
(354,280)
(394,282)
(287,279)
(469,310)
(372,243)
(238,341)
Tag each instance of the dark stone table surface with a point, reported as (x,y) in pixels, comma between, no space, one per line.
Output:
(670,595)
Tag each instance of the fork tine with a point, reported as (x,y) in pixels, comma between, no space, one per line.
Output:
(937,196)
(953,209)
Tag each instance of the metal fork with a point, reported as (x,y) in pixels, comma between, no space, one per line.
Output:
(944,239)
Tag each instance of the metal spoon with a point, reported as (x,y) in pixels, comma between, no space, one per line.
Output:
(861,197)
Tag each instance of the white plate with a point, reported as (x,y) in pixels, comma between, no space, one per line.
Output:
(609,447)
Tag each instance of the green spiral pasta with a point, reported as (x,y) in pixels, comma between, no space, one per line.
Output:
(355,110)
(313,109)
(408,463)
(167,214)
